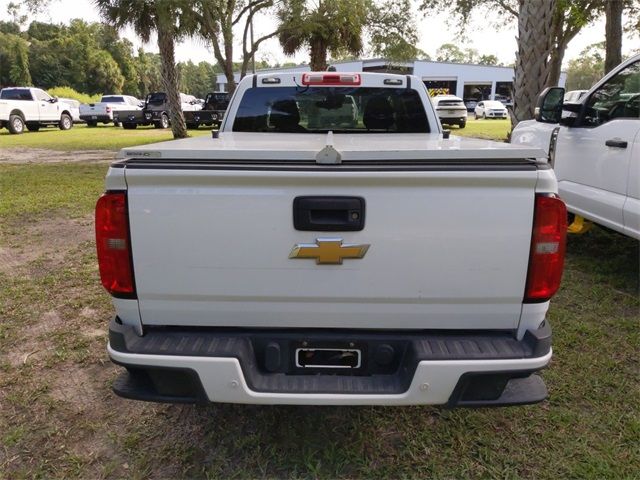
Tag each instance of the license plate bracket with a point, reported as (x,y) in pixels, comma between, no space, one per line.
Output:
(328,357)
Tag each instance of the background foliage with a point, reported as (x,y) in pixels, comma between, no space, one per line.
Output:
(91,58)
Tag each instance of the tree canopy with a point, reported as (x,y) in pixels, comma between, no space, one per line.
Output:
(91,58)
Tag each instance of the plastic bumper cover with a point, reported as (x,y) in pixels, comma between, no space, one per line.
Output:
(441,369)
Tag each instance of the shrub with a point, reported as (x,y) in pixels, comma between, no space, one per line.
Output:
(68,92)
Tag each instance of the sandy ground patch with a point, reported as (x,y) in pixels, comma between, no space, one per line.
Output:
(42,155)
(36,343)
(51,238)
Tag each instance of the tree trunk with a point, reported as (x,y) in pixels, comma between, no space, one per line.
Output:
(555,64)
(613,34)
(318,55)
(170,82)
(228,74)
(535,41)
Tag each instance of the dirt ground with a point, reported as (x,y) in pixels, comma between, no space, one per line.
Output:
(40,155)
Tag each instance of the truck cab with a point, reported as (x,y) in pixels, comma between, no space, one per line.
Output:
(594,146)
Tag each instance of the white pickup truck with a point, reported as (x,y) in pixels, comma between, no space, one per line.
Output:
(102,111)
(32,108)
(292,261)
(594,146)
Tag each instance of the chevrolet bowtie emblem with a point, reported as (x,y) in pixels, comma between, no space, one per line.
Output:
(328,251)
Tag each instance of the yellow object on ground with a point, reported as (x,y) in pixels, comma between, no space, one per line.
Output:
(579,225)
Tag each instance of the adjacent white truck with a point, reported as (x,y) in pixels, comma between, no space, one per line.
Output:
(102,111)
(32,108)
(594,146)
(289,260)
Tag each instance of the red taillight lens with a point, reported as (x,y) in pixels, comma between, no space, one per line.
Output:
(113,245)
(548,244)
(108,109)
(320,78)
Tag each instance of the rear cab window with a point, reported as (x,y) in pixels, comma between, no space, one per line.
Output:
(16,94)
(156,98)
(319,109)
(113,99)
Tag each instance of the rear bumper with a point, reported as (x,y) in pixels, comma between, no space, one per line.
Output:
(207,365)
(96,118)
(202,116)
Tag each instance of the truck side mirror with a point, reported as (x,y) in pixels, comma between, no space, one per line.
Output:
(549,106)
(569,119)
(53,100)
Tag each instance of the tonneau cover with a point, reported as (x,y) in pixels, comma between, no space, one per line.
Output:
(351,147)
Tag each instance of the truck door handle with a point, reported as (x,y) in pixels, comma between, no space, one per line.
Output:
(328,213)
(616,142)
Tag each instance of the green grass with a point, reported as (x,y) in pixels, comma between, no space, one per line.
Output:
(81,137)
(31,191)
(58,418)
(108,137)
(487,129)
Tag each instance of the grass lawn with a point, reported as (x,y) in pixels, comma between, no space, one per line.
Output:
(58,418)
(108,137)
(488,129)
(81,137)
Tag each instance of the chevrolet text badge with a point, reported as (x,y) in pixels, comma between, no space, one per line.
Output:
(328,251)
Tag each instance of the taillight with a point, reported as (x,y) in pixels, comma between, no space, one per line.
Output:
(332,78)
(113,245)
(108,109)
(548,244)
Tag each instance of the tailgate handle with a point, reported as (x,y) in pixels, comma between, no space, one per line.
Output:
(328,213)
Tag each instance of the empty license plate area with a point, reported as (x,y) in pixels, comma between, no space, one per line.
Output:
(347,358)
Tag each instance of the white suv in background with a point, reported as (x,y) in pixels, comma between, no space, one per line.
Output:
(490,109)
(451,110)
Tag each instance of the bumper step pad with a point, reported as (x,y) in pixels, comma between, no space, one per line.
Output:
(473,390)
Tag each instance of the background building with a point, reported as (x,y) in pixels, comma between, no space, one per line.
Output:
(467,81)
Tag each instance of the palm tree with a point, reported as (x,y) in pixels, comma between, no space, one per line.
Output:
(535,43)
(322,26)
(169,19)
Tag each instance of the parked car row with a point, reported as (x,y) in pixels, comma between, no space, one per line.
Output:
(32,108)
(155,111)
(472,103)
(452,110)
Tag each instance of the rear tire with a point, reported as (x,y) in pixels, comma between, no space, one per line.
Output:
(116,124)
(33,127)
(129,126)
(163,123)
(462,124)
(65,122)
(16,124)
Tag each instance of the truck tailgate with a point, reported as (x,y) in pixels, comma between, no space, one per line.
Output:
(448,247)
